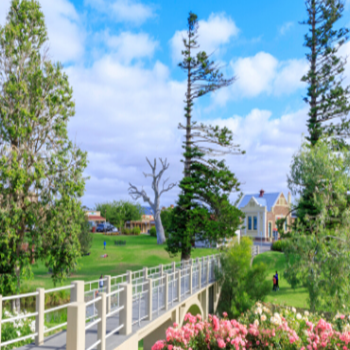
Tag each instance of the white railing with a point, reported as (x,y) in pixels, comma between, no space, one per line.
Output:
(126,299)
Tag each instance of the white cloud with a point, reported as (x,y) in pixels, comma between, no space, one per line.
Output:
(255,74)
(123,10)
(213,33)
(270,145)
(263,74)
(129,46)
(66,38)
(286,27)
(127,113)
(124,114)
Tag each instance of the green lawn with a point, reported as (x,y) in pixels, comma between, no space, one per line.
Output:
(138,252)
(286,295)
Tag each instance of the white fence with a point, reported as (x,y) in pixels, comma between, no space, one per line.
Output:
(125,301)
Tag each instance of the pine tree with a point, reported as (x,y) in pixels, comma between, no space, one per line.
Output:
(41,171)
(207,183)
(326,96)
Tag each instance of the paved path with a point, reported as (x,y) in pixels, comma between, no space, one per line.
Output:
(263,247)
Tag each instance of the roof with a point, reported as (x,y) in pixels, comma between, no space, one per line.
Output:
(268,200)
(147,211)
(95,217)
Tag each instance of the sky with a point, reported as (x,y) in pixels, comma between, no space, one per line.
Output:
(121,57)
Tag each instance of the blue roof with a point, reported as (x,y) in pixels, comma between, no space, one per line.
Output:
(147,211)
(268,200)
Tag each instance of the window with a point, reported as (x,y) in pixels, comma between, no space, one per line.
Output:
(270,229)
(249,222)
(255,223)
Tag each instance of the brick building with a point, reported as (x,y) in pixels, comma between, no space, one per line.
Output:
(262,210)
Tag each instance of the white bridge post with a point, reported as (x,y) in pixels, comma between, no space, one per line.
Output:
(126,313)
(199,275)
(76,314)
(129,276)
(179,285)
(150,298)
(101,328)
(145,273)
(40,318)
(166,291)
(191,278)
(108,290)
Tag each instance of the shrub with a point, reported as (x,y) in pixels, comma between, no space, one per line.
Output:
(153,232)
(126,231)
(278,246)
(260,329)
(136,231)
(242,284)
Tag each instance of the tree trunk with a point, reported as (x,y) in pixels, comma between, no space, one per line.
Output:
(186,254)
(160,229)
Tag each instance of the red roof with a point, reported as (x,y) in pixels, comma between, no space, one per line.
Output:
(94,217)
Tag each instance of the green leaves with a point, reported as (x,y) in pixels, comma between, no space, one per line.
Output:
(327,97)
(41,171)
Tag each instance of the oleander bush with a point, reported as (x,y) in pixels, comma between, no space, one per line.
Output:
(259,328)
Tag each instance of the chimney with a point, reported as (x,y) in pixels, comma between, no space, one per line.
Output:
(163,208)
(262,193)
(289,198)
(172,207)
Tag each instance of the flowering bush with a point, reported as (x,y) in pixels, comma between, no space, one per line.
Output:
(259,328)
(16,329)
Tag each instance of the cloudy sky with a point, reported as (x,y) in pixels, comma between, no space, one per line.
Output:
(121,57)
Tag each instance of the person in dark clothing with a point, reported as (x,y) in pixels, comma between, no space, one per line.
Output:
(105,243)
(277,286)
(274,283)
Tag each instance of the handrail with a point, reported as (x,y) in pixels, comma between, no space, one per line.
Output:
(19,296)
(59,288)
(6,320)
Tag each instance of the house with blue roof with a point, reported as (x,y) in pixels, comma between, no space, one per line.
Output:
(262,211)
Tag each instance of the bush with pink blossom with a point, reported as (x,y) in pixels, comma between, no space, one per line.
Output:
(259,328)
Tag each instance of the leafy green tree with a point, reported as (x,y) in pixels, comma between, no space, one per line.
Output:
(318,250)
(118,212)
(85,236)
(166,217)
(41,170)
(326,96)
(207,183)
(242,285)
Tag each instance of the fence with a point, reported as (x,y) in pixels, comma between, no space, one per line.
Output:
(124,301)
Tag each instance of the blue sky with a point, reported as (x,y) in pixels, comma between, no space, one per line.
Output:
(121,58)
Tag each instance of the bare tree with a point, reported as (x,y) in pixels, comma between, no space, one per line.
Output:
(136,194)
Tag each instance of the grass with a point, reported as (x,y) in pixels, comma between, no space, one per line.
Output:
(286,295)
(138,252)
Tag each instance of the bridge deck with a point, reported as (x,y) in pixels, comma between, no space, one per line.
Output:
(58,340)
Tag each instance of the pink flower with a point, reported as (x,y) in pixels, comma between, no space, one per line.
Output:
(224,314)
(221,343)
(170,347)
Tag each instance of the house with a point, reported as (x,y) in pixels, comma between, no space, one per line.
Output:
(94,217)
(262,211)
(145,223)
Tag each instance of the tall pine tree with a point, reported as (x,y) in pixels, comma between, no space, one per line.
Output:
(203,209)
(326,96)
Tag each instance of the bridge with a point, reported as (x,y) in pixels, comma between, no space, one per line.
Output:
(138,305)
